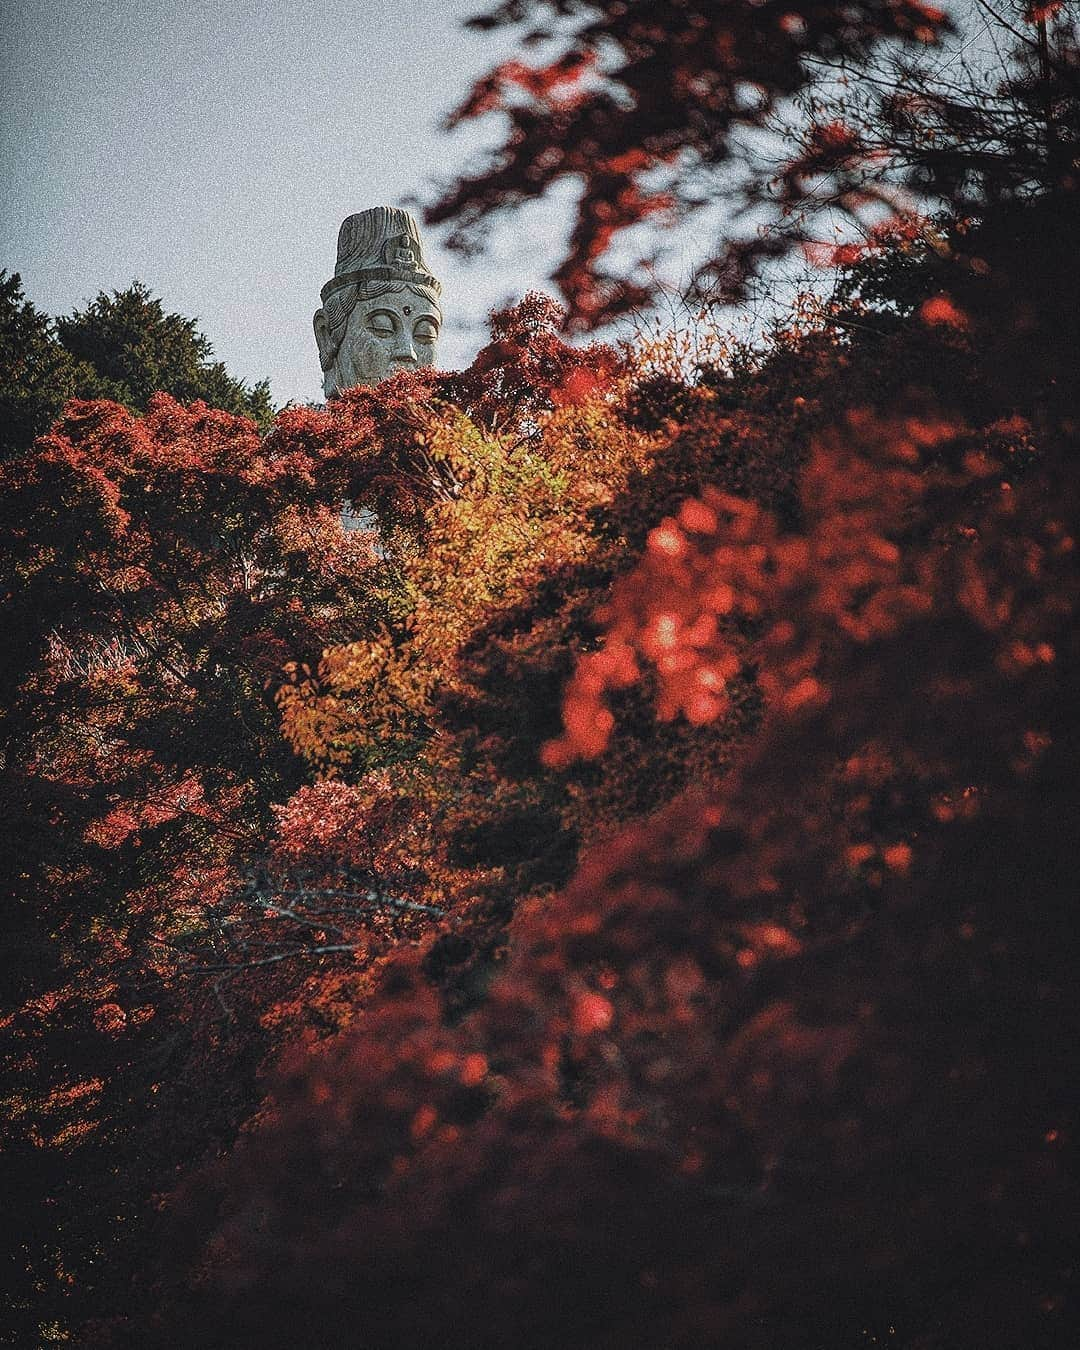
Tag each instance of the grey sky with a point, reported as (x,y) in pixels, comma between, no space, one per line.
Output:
(211,149)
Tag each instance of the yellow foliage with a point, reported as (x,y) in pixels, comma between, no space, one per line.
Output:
(509,509)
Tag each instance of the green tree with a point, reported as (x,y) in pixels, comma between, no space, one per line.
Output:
(122,347)
(37,375)
(129,348)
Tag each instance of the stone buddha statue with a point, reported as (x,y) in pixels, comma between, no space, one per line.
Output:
(380,310)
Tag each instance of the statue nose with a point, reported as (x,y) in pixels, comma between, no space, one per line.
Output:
(403,348)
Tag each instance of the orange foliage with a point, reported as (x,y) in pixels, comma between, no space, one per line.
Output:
(750,1075)
(667,919)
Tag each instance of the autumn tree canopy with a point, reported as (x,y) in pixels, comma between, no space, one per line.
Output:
(794,125)
(614,885)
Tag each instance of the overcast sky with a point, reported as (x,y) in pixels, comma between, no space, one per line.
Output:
(212,148)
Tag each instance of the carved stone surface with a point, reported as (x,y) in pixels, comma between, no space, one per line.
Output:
(380,310)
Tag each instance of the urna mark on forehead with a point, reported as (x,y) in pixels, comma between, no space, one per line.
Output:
(407,306)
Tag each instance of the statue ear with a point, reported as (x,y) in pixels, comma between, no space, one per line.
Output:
(324,340)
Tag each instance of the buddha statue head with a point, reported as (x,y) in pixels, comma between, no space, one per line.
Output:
(380,310)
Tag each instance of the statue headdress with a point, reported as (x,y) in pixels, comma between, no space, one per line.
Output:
(380,247)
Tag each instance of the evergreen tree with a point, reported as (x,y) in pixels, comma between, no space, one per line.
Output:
(122,347)
(130,348)
(37,375)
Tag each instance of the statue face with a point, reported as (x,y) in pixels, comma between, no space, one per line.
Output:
(384,335)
